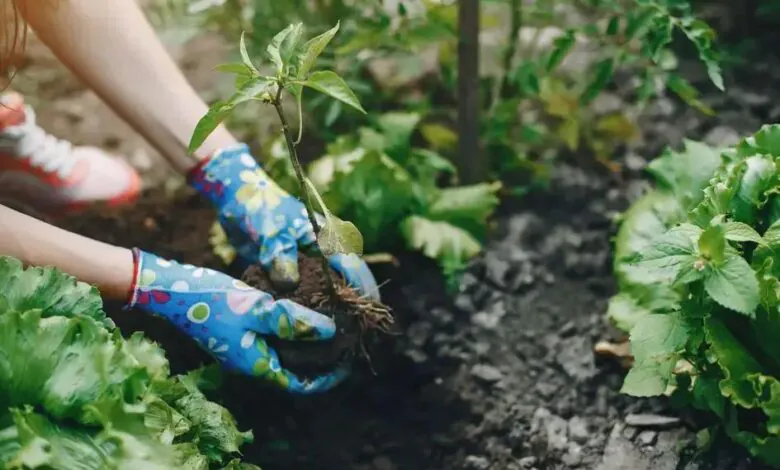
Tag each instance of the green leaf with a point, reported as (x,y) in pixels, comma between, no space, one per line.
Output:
(613,26)
(686,173)
(562,45)
(602,76)
(245,55)
(650,216)
(656,343)
(450,246)
(312,50)
(712,244)
(338,236)
(625,311)
(237,69)
(49,290)
(467,207)
(397,129)
(329,83)
(764,142)
(274,49)
(733,285)
(669,254)
(739,232)
(222,109)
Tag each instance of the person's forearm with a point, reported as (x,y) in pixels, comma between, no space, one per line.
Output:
(37,243)
(111,46)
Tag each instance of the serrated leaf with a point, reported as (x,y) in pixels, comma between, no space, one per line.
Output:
(764,142)
(329,83)
(686,173)
(450,246)
(312,50)
(467,207)
(656,343)
(247,61)
(739,232)
(733,285)
(668,254)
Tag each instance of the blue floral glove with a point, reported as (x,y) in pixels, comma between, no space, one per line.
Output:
(264,223)
(229,318)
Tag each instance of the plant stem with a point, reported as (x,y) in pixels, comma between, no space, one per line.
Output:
(277,102)
(502,81)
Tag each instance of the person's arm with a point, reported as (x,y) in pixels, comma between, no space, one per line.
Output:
(37,243)
(111,46)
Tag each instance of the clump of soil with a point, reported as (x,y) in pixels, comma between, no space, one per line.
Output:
(360,322)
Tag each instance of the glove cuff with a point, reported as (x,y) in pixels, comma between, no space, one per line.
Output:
(132,292)
(213,176)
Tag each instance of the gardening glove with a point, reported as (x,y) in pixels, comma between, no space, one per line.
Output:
(228,318)
(264,223)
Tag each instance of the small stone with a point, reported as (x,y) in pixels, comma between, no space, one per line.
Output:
(573,456)
(553,427)
(417,356)
(383,463)
(578,430)
(634,162)
(491,316)
(546,389)
(722,136)
(476,462)
(527,462)
(486,373)
(651,421)
(568,329)
(647,438)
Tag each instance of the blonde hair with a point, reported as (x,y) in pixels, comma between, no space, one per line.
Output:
(13,34)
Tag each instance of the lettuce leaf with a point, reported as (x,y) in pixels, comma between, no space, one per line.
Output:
(75,394)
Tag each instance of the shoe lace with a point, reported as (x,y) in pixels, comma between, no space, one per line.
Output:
(43,150)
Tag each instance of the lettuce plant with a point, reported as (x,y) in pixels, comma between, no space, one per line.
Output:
(75,394)
(702,297)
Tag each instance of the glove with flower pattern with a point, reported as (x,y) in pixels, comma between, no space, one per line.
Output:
(264,223)
(229,318)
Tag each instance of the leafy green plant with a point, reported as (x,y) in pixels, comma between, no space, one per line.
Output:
(392,191)
(75,394)
(707,334)
(294,70)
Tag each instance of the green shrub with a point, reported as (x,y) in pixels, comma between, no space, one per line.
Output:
(700,290)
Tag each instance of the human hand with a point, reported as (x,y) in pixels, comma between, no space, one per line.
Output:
(229,318)
(265,224)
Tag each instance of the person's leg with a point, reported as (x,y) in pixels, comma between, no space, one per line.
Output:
(50,175)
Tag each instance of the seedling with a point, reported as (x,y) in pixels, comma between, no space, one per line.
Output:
(294,63)
(353,314)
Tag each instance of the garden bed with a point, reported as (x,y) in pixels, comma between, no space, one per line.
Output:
(504,377)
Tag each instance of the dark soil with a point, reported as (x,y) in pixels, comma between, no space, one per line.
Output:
(312,358)
(501,378)
(498,376)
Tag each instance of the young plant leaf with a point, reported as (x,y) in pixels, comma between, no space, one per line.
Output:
(712,244)
(312,50)
(245,55)
(339,236)
(734,285)
(336,235)
(221,109)
(275,48)
(329,83)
